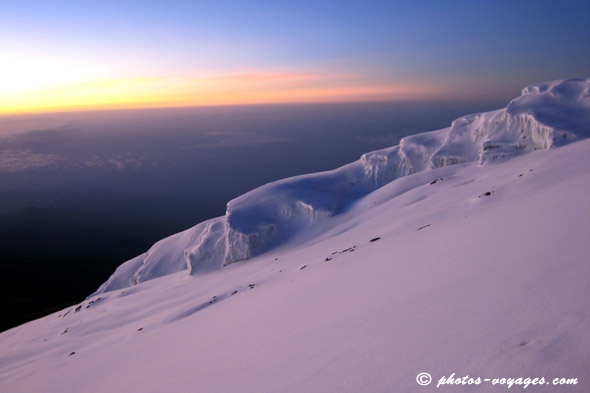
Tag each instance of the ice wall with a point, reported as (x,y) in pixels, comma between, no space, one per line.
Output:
(544,116)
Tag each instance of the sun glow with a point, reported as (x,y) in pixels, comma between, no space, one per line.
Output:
(30,85)
(28,73)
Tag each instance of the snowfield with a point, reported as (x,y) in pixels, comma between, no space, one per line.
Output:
(463,250)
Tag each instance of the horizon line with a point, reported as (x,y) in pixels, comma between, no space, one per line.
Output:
(108,108)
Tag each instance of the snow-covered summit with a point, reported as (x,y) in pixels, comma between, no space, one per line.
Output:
(545,115)
(356,283)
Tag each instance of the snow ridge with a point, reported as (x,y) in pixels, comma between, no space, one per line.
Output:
(546,115)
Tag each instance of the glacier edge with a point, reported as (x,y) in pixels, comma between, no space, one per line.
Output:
(268,216)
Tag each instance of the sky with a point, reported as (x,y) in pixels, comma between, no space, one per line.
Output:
(79,55)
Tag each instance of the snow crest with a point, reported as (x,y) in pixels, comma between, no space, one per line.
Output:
(545,116)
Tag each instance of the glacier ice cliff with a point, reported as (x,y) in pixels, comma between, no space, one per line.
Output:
(544,116)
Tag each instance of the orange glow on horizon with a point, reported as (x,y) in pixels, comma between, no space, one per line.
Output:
(258,87)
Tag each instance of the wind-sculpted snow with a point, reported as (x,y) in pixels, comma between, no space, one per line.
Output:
(545,116)
(354,278)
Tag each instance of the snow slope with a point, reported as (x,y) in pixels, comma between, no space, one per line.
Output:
(545,115)
(354,281)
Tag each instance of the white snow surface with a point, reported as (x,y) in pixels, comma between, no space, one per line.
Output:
(481,268)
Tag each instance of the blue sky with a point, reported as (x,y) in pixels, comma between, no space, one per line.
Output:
(144,53)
